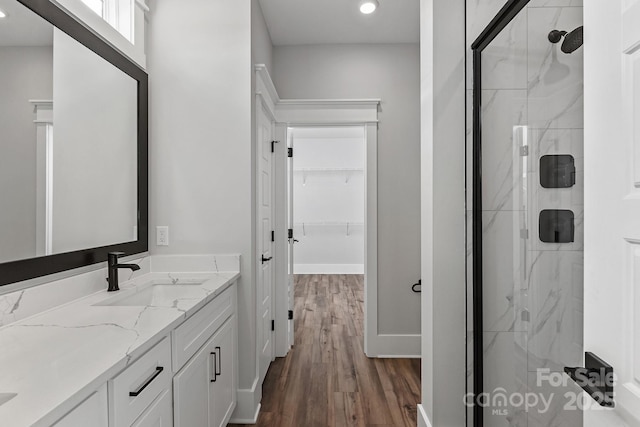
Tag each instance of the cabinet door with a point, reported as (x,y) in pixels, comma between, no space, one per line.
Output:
(91,412)
(159,413)
(191,388)
(223,389)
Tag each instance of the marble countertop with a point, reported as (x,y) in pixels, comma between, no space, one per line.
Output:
(56,359)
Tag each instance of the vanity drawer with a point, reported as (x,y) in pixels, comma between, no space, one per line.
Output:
(135,388)
(195,331)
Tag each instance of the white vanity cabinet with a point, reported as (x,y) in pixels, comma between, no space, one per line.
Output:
(204,389)
(91,412)
(141,387)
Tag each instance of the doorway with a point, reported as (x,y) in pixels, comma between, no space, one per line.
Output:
(328,200)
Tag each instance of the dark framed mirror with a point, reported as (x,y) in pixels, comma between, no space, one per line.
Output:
(74,144)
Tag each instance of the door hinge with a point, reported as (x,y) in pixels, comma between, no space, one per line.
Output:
(273,236)
(524,150)
(273,325)
(290,233)
(290,315)
(290,152)
(273,146)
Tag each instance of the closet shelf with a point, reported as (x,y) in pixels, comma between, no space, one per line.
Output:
(348,225)
(347,171)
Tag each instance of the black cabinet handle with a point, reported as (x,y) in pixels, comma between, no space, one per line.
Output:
(158,371)
(415,287)
(266,259)
(215,362)
(219,361)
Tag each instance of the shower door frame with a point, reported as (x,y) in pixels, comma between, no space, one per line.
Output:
(504,17)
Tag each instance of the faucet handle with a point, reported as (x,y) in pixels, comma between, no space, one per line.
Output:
(112,257)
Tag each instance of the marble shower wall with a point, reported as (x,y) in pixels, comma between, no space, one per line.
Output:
(532,309)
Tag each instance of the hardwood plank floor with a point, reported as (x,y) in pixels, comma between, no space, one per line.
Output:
(326,379)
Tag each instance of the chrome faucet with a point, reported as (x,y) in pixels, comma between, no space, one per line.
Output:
(113,266)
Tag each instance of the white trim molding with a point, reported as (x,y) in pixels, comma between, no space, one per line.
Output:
(248,405)
(423,419)
(143,5)
(301,112)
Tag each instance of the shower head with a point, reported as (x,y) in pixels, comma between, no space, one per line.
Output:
(572,41)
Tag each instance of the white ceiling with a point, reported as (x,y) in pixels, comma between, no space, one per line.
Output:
(304,22)
(22,27)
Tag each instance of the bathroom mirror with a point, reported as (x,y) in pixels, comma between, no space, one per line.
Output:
(73,145)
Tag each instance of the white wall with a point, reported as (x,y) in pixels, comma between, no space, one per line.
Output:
(94,150)
(443,215)
(200,141)
(329,204)
(389,72)
(26,73)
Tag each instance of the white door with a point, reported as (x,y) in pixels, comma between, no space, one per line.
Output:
(265,240)
(612,201)
(292,238)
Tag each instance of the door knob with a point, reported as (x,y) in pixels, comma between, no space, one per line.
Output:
(266,259)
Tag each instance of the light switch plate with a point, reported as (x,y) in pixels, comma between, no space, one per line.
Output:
(162,235)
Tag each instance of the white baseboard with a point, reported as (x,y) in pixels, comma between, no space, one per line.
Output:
(248,406)
(394,346)
(423,420)
(328,268)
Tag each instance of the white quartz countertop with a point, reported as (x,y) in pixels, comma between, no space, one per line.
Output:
(56,359)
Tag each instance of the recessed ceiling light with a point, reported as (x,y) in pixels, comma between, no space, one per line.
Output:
(2,14)
(368,6)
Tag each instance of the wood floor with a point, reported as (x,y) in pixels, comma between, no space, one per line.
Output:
(326,379)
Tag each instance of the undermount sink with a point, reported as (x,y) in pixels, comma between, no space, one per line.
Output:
(5,397)
(154,295)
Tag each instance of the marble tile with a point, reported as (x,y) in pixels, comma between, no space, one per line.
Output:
(479,14)
(555,79)
(555,302)
(556,402)
(503,275)
(555,141)
(554,3)
(505,373)
(504,60)
(503,112)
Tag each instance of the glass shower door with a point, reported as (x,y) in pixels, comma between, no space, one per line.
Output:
(527,238)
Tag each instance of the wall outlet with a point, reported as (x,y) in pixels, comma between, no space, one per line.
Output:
(162,235)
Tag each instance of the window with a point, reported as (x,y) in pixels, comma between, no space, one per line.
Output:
(118,13)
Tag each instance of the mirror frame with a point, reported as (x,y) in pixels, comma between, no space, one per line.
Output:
(30,268)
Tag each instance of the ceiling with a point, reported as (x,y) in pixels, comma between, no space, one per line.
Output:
(21,27)
(305,22)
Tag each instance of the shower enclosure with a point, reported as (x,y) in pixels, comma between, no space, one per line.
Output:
(527,224)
